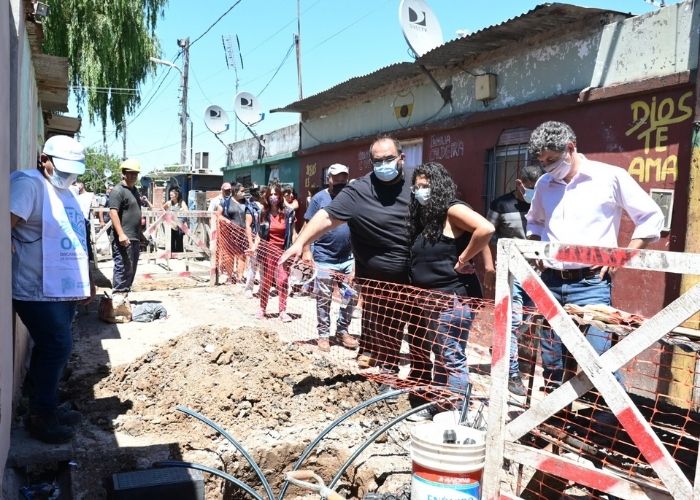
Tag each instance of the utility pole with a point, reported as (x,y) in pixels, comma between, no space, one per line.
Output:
(184,44)
(124,139)
(297,43)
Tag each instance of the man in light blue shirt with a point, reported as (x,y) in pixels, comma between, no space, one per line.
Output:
(332,254)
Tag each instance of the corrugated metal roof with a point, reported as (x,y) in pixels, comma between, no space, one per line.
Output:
(542,19)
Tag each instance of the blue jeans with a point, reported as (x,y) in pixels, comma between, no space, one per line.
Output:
(520,300)
(444,330)
(587,291)
(326,276)
(49,325)
(126,260)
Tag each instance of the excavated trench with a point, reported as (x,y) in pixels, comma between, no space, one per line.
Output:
(273,398)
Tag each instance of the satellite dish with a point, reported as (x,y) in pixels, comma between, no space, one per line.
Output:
(216,119)
(420,26)
(107,173)
(247,108)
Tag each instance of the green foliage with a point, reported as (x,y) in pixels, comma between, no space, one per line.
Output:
(108,45)
(96,162)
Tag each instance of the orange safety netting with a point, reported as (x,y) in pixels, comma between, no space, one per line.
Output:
(411,337)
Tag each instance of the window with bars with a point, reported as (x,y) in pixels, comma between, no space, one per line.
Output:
(504,162)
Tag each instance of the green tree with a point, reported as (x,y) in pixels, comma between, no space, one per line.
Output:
(96,163)
(108,45)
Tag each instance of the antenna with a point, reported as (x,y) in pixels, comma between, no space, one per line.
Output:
(422,32)
(420,26)
(247,108)
(216,119)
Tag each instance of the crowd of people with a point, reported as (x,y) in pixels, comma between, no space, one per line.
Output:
(374,239)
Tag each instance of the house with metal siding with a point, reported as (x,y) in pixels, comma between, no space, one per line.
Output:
(627,92)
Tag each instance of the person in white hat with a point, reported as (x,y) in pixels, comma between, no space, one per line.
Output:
(50,276)
(125,213)
(332,254)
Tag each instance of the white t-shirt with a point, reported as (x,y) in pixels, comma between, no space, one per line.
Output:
(27,203)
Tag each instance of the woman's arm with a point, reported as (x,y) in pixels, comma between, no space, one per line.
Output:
(462,217)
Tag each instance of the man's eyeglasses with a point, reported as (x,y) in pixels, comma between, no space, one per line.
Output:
(381,161)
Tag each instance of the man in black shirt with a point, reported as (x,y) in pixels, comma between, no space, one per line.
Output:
(125,213)
(375,207)
(507,214)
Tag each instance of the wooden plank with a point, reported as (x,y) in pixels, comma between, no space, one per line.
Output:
(654,260)
(213,255)
(590,363)
(584,473)
(498,401)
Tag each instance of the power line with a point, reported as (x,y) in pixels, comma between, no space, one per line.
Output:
(214,23)
(145,106)
(344,29)
(280,30)
(289,51)
(166,146)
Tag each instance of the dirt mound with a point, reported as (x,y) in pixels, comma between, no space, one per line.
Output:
(274,398)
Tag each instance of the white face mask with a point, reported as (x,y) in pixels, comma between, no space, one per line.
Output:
(528,195)
(422,195)
(560,169)
(62,180)
(386,171)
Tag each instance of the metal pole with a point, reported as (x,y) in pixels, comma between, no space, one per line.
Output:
(124,139)
(184,44)
(191,143)
(297,43)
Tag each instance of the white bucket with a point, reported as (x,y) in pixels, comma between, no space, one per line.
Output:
(446,471)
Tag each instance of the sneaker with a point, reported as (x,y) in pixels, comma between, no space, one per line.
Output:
(284,317)
(248,294)
(348,341)
(323,344)
(516,386)
(48,429)
(426,414)
(260,314)
(384,388)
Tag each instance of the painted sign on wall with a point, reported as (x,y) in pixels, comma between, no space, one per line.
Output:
(651,121)
(445,147)
(310,175)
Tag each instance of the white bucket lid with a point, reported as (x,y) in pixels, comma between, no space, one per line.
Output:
(428,450)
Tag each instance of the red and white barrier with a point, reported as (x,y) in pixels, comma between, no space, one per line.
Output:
(596,370)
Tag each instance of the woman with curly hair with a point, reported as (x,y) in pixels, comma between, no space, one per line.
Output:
(445,235)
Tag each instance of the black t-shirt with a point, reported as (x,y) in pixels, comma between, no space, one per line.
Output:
(376,214)
(128,202)
(432,264)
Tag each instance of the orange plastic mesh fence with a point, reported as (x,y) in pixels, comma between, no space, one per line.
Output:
(411,337)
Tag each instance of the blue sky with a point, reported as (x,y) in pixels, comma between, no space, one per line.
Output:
(339,40)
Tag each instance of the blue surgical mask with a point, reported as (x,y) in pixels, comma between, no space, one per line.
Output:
(273,200)
(62,180)
(528,195)
(386,171)
(422,195)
